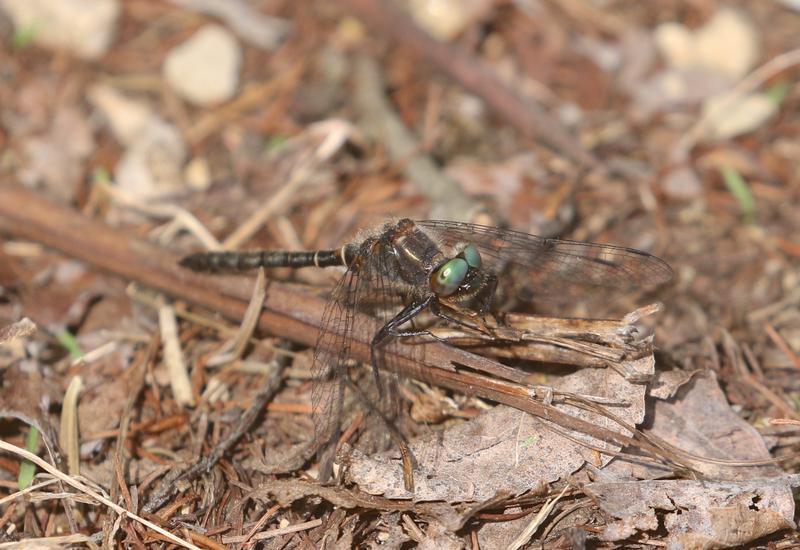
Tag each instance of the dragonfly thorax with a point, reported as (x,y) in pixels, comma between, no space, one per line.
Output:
(414,254)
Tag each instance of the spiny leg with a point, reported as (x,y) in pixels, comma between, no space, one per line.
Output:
(391,330)
(482,327)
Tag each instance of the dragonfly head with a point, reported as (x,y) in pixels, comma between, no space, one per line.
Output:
(449,276)
(461,282)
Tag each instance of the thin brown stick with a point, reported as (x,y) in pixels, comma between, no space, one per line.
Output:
(778,340)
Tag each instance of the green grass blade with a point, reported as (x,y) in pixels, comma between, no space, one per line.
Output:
(28,469)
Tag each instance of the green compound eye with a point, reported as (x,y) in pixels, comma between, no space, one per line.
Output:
(472,256)
(447,279)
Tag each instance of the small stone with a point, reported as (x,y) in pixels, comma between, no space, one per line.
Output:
(198,174)
(676,44)
(727,44)
(205,69)
(83,27)
(570,114)
(445,19)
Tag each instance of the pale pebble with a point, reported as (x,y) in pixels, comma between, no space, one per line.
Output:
(84,27)
(204,70)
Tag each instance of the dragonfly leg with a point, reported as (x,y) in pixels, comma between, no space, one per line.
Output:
(388,331)
(391,330)
(479,326)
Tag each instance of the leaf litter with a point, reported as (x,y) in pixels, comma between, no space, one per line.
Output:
(637,434)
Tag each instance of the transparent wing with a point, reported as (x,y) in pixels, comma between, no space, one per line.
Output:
(362,302)
(329,366)
(577,262)
(379,299)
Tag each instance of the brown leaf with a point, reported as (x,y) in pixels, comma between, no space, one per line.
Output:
(698,514)
(698,420)
(502,450)
(26,395)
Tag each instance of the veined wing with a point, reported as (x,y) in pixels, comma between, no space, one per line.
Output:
(329,368)
(361,303)
(379,300)
(578,262)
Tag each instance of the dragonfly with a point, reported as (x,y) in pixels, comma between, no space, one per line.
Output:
(446,270)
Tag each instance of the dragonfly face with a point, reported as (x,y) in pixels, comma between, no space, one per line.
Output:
(462,284)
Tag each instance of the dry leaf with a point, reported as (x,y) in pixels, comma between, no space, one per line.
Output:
(502,450)
(729,115)
(697,514)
